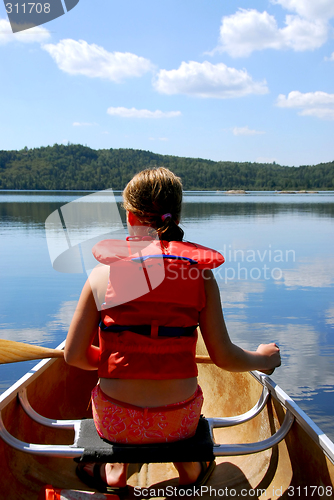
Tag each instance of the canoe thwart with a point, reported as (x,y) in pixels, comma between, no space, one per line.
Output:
(213,422)
(49,450)
(225,450)
(89,447)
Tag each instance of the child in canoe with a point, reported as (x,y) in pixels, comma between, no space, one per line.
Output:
(148,390)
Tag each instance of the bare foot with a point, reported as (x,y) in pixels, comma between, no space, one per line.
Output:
(188,472)
(111,474)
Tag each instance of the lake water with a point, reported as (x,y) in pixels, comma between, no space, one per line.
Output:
(276,285)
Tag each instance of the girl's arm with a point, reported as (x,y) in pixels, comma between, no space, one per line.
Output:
(79,350)
(222,351)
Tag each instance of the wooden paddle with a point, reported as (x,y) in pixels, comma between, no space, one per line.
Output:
(11,352)
(203,359)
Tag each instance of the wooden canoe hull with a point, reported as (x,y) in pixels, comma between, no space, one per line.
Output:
(59,391)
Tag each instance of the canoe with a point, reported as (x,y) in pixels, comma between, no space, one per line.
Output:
(269,449)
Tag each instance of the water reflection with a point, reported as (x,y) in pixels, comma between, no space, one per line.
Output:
(34,212)
(49,334)
(294,307)
(315,273)
(329,314)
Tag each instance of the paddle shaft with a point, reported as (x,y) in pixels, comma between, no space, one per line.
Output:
(12,352)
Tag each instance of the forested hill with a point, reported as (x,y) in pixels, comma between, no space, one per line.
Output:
(78,167)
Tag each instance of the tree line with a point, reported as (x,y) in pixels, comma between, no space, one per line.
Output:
(77,167)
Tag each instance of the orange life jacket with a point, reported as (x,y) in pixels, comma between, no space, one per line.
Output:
(149,320)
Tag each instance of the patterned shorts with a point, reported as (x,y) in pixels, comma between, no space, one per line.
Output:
(124,423)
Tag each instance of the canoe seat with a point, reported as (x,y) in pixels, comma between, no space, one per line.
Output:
(199,447)
(89,447)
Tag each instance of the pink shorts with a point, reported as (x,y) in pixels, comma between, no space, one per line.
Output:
(124,423)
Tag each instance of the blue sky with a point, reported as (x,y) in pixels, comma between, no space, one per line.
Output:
(238,80)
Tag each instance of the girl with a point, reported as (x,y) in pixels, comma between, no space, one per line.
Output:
(148,389)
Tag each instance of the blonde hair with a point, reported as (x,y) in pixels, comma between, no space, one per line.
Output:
(150,195)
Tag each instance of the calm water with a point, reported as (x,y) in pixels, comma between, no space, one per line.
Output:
(276,285)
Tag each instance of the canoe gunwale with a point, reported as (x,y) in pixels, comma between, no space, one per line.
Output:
(313,431)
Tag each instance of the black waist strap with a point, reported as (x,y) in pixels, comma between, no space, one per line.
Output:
(164,331)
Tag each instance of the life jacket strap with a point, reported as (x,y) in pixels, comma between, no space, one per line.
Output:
(165,256)
(163,331)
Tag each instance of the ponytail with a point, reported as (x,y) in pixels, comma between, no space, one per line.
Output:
(170,230)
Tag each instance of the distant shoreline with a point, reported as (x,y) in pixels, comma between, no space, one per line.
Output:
(80,168)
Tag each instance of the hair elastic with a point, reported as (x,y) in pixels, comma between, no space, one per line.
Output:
(163,217)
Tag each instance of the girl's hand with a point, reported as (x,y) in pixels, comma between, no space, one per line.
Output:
(272,353)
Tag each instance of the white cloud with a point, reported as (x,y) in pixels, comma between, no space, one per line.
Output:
(319,104)
(208,80)
(302,34)
(248,30)
(310,9)
(141,113)
(246,131)
(80,58)
(330,58)
(323,114)
(32,35)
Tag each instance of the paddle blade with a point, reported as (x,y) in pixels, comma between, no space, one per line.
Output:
(12,352)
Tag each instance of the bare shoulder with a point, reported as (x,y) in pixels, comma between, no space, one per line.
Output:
(98,281)
(210,283)
(100,272)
